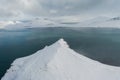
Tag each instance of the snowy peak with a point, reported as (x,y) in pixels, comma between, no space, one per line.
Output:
(61,43)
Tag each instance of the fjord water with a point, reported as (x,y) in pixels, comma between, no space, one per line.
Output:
(101,44)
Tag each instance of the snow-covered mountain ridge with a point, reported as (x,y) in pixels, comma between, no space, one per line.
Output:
(59,62)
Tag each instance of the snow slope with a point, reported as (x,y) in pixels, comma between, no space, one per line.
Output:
(59,62)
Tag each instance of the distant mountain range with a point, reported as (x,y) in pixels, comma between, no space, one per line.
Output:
(51,22)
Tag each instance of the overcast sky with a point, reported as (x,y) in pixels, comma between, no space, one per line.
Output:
(11,9)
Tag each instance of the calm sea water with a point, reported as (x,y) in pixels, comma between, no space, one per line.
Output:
(100,44)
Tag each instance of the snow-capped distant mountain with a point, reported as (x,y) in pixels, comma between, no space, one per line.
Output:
(33,23)
(102,22)
(3,24)
(59,62)
(39,22)
(94,20)
(115,18)
(62,22)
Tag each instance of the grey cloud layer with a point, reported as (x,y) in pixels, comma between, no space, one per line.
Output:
(16,8)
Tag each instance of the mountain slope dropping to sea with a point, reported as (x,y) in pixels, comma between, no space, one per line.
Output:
(59,62)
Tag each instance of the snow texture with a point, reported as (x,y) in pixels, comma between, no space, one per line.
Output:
(59,62)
